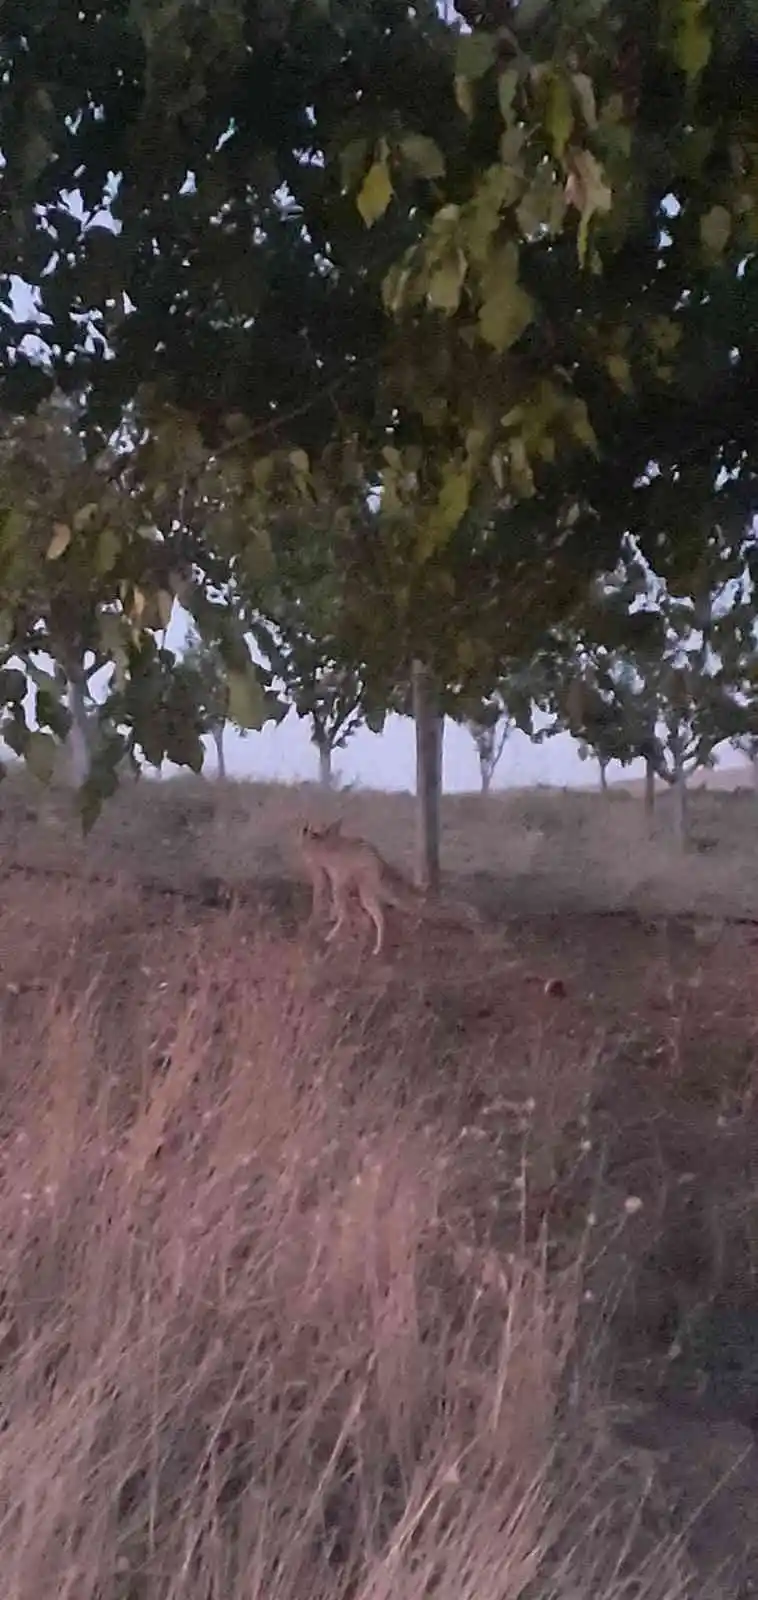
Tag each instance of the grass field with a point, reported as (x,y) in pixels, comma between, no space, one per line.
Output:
(352,1279)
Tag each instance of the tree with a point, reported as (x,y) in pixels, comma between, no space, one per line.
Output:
(203,664)
(329,697)
(490,723)
(673,699)
(553,207)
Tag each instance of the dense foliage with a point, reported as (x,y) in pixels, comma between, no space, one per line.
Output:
(471,306)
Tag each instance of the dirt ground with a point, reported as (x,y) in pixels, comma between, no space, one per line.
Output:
(592,1053)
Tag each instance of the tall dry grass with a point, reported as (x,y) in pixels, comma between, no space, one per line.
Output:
(247,1348)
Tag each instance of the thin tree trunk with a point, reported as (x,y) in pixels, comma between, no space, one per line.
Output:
(325,776)
(217,734)
(603,777)
(78,741)
(754,768)
(429,726)
(680,804)
(485,776)
(649,787)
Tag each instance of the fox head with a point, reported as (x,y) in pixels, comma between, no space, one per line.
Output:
(310,830)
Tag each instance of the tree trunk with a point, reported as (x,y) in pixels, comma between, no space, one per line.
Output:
(603,777)
(680,804)
(754,767)
(325,776)
(217,734)
(485,776)
(429,725)
(78,749)
(649,787)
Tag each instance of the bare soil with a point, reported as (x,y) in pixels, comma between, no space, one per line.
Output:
(264,1208)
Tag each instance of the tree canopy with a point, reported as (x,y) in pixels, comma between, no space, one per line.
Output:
(478,301)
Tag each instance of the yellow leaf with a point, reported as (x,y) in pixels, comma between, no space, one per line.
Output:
(352,163)
(446,281)
(464,95)
(85,516)
(715,230)
(559,113)
(522,476)
(299,462)
(375,193)
(423,155)
(507,85)
(394,286)
(620,371)
(246,705)
(585,94)
(690,38)
(506,308)
(453,498)
(60,541)
(589,192)
(580,424)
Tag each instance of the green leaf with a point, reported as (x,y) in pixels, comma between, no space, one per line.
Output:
(60,541)
(507,85)
(446,281)
(13,531)
(423,155)
(40,755)
(716,229)
(12,685)
(529,12)
(375,193)
(506,308)
(108,547)
(689,35)
(245,698)
(559,113)
(299,462)
(474,55)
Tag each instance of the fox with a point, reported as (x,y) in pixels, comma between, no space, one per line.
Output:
(340,863)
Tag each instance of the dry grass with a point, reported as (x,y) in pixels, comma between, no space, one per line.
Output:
(304,1259)
(250,1343)
(532,850)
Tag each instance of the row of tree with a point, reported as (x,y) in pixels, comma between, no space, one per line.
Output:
(667,687)
(381,328)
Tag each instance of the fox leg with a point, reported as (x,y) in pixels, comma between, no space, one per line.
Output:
(319,882)
(373,909)
(340,906)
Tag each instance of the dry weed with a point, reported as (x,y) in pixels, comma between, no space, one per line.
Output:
(243,1351)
